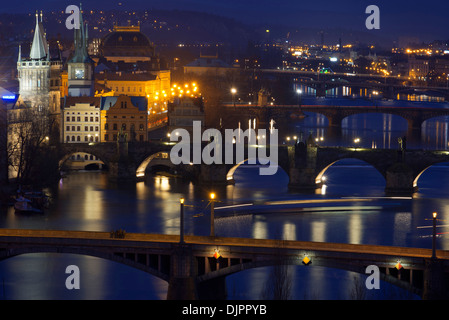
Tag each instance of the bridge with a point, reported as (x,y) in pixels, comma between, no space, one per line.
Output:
(414,115)
(305,163)
(196,268)
(387,86)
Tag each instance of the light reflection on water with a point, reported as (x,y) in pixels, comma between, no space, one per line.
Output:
(87,201)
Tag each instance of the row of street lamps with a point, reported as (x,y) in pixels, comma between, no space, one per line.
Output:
(212,217)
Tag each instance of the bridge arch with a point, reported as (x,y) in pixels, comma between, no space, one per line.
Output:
(233,169)
(133,262)
(418,176)
(325,263)
(389,118)
(321,174)
(160,158)
(66,157)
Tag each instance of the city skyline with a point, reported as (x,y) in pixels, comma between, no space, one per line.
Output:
(398,19)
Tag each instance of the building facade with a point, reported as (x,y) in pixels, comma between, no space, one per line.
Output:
(124,114)
(81,120)
(39,74)
(80,73)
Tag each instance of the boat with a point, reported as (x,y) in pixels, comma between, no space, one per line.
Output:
(24,205)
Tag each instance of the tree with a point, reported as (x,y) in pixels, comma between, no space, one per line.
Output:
(279,283)
(3,145)
(28,137)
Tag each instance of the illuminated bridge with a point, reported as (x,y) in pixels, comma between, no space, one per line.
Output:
(304,163)
(414,114)
(194,270)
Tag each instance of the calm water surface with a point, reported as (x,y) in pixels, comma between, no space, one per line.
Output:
(87,201)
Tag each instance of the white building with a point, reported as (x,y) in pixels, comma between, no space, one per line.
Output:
(39,74)
(81,120)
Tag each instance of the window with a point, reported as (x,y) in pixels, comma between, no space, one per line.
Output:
(141,127)
(91,128)
(67,128)
(106,126)
(73,138)
(114,127)
(96,119)
(73,128)
(91,119)
(78,119)
(78,128)
(141,138)
(86,139)
(96,128)
(78,138)
(106,137)
(86,119)
(86,128)
(124,126)
(68,119)
(73,119)
(67,139)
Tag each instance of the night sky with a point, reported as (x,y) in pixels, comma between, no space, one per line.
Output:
(425,19)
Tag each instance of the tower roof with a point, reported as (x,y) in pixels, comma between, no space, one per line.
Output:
(39,48)
(81,43)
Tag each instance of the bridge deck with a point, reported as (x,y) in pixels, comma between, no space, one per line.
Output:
(142,240)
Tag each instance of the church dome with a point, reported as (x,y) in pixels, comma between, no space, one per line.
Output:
(126,42)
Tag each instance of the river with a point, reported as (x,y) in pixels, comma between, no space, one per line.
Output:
(88,201)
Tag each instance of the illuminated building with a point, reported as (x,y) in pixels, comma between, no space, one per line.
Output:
(128,64)
(81,120)
(80,74)
(124,114)
(39,74)
(187,106)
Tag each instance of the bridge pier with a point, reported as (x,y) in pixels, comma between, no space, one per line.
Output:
(399,180)
(435,283)
(121,170)
(303,179)
(214,289)
(182,284)
(214,174)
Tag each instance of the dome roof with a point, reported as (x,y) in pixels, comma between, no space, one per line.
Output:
(127,41)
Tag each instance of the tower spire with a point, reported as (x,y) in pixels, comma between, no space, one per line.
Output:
(19,58)
(39,45)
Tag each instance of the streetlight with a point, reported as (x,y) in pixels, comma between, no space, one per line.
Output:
(434,215)
(233,92)
(212,213)
(181,239)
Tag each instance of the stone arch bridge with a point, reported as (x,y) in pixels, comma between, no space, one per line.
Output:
(304,164)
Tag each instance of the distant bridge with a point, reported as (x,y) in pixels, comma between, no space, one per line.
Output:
(304,163)
(193,271)
(415,116)
(387,86)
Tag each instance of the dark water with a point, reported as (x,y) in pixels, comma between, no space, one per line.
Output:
(87,201)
